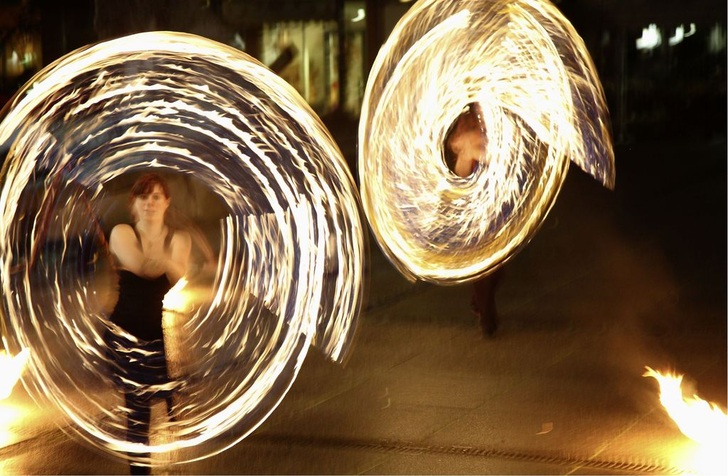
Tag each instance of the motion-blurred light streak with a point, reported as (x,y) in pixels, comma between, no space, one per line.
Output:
(290,250)
(542,104)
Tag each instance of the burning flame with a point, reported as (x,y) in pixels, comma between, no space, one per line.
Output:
(701,421)
(10,370)
(176,299)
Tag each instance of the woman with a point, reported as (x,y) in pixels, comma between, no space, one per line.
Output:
(150,256)
(465,150)
(465,144)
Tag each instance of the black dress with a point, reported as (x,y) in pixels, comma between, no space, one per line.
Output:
(138,359)
(136,348)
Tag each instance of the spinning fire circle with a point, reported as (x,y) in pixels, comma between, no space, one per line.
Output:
(291,246)
(542,104)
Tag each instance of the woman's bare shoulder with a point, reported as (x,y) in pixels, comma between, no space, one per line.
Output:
(182,236)
(123,229)
(122,233)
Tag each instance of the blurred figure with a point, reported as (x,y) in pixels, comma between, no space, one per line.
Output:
(466,143)
(150,256)
(465,148)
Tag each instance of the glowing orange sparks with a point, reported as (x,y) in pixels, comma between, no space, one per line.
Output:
(10,370)
(701,421)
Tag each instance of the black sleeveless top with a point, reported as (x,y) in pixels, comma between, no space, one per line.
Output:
(139,308)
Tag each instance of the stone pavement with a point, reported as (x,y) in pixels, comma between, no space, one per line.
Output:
(613,281)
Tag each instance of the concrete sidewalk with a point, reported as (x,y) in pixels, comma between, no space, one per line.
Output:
(614,281)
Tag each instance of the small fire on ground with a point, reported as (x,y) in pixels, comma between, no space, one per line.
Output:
(703,422)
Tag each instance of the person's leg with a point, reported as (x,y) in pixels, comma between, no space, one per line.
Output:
(158,371)
(138,421)
(170,408)
(483,301)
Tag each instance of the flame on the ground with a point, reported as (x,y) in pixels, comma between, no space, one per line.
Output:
(176,298)
(701,421)
(11,367)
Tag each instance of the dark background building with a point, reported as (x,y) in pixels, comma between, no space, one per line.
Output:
(662,63)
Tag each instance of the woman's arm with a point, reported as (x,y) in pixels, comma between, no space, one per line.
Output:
(179,256)
(124,246)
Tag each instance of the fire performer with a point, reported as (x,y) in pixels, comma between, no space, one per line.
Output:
(465,150)
(150,256)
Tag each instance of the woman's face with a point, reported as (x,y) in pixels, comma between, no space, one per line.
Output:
(151,206)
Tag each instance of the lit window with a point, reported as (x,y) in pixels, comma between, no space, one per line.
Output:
(651,38)
(717,39)
(681,34)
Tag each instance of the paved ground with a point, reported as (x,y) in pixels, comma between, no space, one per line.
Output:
(613,281)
